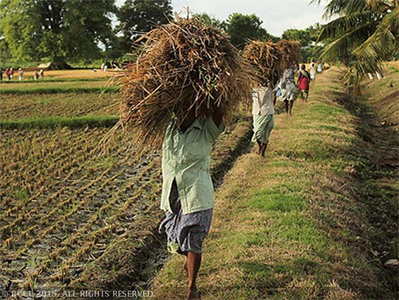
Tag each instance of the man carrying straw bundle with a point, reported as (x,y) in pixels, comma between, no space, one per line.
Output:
(264,57)
(183,87)
(187,193)
(287,89)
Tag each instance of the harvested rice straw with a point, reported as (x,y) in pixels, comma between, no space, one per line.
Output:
(265,59)
(290,52)
(184,65)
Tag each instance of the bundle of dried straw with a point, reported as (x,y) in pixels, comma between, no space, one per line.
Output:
(265,59)
(290,52)
(183,66)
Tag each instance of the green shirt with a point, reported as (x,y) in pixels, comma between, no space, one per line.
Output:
(186,157)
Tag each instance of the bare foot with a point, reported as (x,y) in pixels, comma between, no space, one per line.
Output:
(192,294)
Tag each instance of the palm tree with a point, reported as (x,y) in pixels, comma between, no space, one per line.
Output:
(364,33)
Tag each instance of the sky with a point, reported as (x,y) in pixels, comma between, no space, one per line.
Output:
(277,15)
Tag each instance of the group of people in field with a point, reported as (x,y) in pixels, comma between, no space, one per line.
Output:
(285,89)
(187,190)
(9,73)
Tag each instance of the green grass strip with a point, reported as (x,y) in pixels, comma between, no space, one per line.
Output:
(55,80)
(55,122)
(291,225)
(56,90)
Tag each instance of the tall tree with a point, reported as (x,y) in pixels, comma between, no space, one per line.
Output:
(364,33)
(139,16)
(308,38)
(5,54)
(303,36)
(210,20)
(245,27)
(58,31)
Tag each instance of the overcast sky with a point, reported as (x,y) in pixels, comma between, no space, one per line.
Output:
(277,15)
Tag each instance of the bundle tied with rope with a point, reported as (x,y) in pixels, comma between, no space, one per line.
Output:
(290,53)
(265,60)
(184,66)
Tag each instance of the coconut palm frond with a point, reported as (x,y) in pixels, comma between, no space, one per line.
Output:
(365,31)
(378,46)
(346,7)
(343,24)
(346,42)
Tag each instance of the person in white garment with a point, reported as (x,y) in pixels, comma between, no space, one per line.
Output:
(20,74)
(263,115)
(312,71)
(320,67)
(286,90)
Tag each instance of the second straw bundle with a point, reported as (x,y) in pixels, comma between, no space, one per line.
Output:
(265,59)
(290,53)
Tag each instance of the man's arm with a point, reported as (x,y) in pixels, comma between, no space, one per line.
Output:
(218,113)
(214,126)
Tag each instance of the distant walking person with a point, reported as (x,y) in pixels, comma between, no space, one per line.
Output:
(1,74)
(8,74)
(35,75)
(286,89)
(21,74)
(312,71)
(303,82)
(41,73)
(263,116)
(320,67)
(11,71)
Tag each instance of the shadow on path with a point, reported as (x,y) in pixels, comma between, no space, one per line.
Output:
(375,180)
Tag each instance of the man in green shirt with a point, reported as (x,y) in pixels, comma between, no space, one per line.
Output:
(187,191)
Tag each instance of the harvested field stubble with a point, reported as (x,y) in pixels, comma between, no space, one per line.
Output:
(15,107)
(76,214)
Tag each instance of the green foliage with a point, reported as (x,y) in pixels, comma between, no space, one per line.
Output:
(306,37)
(303,36)
(55,30)
(139,16)
(5,54)
(364,34)
(245,27)
(210,20)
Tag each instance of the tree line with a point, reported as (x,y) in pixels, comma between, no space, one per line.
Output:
(72,31)
(362,33)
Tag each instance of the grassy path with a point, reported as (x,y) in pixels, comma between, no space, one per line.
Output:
(293,225)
